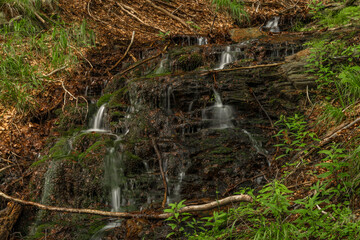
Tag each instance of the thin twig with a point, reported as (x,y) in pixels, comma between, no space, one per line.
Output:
(4,168)
(240,68)
(82,55)
(262,108)
(124,8)
(170,15)
(55,71)
(142,62)
(126,52)
(176,9)
(325,141)
(307,95)
(161,171)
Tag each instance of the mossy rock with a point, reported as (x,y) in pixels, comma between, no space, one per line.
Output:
(103,99)
(189,62)
(118,98)
(72,117)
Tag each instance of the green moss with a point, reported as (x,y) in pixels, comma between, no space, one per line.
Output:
(189,62)
(60,149)
(118,98)
(221,150)
(103,99)
(92,151)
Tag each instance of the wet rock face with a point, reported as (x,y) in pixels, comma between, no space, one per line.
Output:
(200,159)
(174,113)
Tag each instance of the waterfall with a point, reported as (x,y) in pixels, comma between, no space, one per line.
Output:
(226,58)
(99,123)
(258,146)
(272,25)
(219,115)
(202,41)
(163,67)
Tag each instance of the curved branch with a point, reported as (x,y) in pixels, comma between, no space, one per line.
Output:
(193,208)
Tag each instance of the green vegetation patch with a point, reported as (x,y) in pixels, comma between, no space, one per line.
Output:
(189,62)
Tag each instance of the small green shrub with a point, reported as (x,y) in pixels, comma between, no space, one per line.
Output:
(293,134)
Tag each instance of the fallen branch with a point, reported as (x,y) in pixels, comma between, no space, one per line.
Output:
(193,208)
(55,71)
(161,171)
(4,168)
(170,15)
(240,68)
(325,141)
(126,52)
(127,10)
(142,62)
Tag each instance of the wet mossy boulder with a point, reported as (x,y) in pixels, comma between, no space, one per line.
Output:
(189,62)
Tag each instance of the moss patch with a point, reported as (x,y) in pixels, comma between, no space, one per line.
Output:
(189,62)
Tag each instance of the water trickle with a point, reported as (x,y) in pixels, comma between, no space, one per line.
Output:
(168,95)
(163,66)
(226,58)
(219,115)
(272,25)
(114,174)
(99,123)
(257,145)
(202,41)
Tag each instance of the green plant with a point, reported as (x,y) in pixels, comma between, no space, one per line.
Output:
(293,134)
(164,35)
(193,25)
(177,220)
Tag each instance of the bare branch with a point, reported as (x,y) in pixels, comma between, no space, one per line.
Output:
(193,208)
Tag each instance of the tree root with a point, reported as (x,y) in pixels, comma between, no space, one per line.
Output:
(161,171)
(8,218)
(193,208)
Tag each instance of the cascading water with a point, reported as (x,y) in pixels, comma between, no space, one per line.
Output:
(163,66)
(226,58)
(220,116)
(258,146)
(99,123)
(272,25)
(202,41)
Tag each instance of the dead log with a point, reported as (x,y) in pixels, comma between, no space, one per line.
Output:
(193,208)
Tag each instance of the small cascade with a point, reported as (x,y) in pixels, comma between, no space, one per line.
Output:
(226,58)
(258,146)
(202,41)
(114,174)
(272,25)
(163,66)
(220,116)
(116,180)
(99,123)
(167,100)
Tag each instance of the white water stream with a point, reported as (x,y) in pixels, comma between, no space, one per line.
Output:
(219,115)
